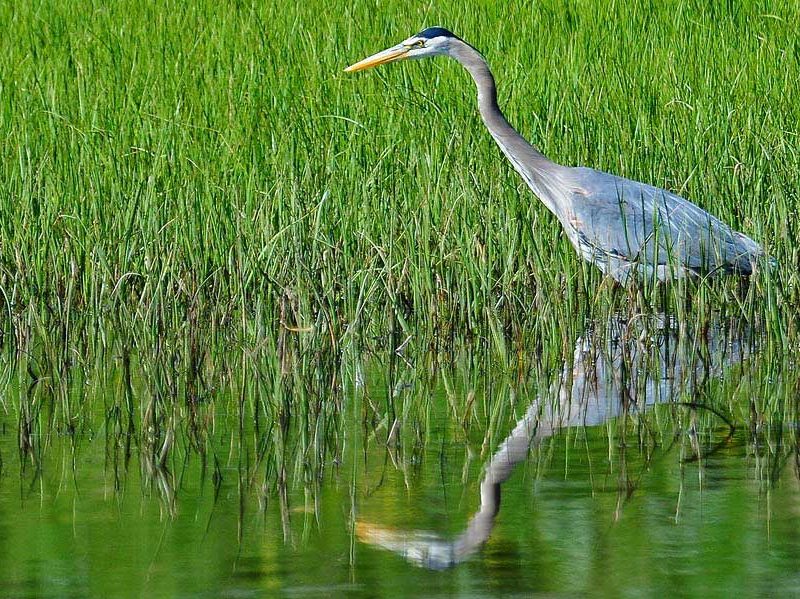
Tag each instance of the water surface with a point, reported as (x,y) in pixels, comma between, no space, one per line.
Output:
(621,469)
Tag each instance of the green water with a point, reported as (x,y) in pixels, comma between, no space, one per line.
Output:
(722,530)
(664,499)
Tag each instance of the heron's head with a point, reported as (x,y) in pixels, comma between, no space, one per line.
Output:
(430,42)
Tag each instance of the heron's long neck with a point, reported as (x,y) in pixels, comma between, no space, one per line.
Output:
(536,169)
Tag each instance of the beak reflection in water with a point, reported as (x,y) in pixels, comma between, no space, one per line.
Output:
(592,390)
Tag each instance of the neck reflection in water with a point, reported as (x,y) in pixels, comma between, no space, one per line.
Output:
(625,367)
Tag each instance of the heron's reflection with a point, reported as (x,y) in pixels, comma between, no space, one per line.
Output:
(625,366)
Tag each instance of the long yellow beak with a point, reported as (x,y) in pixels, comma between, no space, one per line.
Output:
(390,55)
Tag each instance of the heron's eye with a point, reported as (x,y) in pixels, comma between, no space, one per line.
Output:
(418,44)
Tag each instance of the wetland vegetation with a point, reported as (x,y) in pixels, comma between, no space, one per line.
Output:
(255,312)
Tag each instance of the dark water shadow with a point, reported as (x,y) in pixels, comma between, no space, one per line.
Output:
(620,368)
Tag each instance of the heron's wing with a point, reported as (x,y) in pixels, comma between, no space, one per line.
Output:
(628,220)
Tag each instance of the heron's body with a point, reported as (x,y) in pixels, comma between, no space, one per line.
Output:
(629,228)
(626,228)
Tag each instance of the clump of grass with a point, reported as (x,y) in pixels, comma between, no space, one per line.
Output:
(174,181)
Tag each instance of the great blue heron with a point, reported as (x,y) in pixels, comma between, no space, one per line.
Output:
(624,227)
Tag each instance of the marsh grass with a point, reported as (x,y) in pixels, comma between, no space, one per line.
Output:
(210,235)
